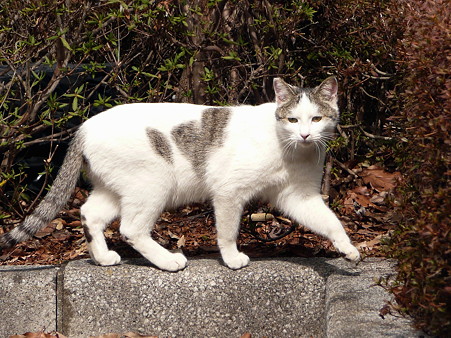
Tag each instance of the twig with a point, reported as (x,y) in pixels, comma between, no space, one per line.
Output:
(199,215)
(372,96)
(367,134)
(9,140)
(52,137)
(380,72)
(342,166)
(377,77)
(343,134)
(350,126)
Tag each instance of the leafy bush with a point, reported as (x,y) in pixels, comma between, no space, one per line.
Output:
(421,242)
(62,62)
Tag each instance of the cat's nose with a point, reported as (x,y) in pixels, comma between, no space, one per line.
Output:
(304,136)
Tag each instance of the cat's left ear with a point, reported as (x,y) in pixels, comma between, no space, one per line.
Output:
(283,91)
(328,90)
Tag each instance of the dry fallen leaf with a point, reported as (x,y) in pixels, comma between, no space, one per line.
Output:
(385,310)
(46,231)
(166,216)
(369,245)
(172,235)
(61,235)
(181,242)
(380,179)
(74,224)
(109,233)
(59,223)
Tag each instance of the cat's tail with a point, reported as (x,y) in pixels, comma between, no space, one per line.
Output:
(55,199)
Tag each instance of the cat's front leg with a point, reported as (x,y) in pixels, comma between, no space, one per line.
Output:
(228,214)
(315,215)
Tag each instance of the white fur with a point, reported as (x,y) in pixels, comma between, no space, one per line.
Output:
(133,182)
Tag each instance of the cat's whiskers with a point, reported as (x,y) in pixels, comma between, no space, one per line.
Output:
(322,143)
(319,148)
(289,145)
(325,139)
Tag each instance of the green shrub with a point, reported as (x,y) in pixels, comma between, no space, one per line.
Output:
(60,65)
(62,62)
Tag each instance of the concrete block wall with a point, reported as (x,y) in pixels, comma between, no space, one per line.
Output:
(285,297)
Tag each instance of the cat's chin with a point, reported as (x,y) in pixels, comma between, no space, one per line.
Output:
(305,144)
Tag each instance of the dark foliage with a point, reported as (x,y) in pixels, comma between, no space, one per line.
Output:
(421,242)
(63,62)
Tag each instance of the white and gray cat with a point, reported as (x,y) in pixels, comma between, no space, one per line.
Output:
(143,158)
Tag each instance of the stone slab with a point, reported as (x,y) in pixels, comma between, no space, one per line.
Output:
(353,304)
(281,297)
(27,299)
(269,297)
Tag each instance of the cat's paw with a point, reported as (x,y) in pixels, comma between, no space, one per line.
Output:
(172,262)
(109,258)
(352,254)
(350,251)
(237,261)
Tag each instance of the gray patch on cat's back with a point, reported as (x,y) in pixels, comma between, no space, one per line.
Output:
(213,124)
(195,139)
(187,139)
(160,144)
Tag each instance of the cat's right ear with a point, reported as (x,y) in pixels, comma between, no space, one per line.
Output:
(282,90)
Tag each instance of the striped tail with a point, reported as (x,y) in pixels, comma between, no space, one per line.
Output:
(54,201)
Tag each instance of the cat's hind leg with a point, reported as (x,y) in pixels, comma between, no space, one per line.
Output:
(100,209)
(137,221)
(228,215)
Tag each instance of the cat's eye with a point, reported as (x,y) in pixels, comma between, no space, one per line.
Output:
(316,118)
(292,120)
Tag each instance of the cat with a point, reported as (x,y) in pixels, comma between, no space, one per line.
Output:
(143,158)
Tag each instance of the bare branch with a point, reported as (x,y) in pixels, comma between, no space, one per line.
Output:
(344,167)
(380,137)
(63,135)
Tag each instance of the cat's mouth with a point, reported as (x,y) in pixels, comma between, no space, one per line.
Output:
(294,143)
(305,142)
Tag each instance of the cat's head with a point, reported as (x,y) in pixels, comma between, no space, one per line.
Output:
(306,116)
